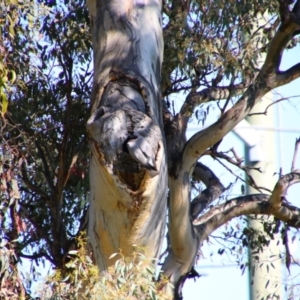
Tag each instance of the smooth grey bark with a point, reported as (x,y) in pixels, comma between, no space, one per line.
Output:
(128,172)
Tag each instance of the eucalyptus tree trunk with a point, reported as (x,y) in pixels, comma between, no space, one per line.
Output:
(135,159)
(128,173)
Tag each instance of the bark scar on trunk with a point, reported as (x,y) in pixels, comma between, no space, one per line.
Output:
(127,137)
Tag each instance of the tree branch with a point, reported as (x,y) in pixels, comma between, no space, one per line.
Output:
(267,79)
(36,256)
(245,205)
(46,171)
(283,35)
(238,163)
(204,139)
(234,207)
(287,76)
(214,189)
(273,103)
(184,237)
(289,25)
(210,94)
(252,204)
(297,143)
(32,186)
(281,187)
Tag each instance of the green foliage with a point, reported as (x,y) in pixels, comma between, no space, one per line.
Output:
(13,13)
(44,155)
(214,42)
(127,279)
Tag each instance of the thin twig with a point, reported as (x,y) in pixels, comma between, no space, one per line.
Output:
(238,159)
(237,163)
(297,143)
(275,102)
(252,183)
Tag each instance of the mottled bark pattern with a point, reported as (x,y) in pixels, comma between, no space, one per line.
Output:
(128,172)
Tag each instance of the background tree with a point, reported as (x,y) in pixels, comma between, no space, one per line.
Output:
(43,140)
(142,168)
